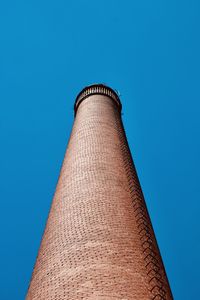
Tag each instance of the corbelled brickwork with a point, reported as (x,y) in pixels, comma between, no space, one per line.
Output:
(98,242)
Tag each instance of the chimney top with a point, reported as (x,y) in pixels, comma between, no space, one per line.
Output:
(95,89)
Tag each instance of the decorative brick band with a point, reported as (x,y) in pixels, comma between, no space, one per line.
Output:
(95,89)
(157,278)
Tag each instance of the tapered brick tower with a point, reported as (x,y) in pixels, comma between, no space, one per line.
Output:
(98,242)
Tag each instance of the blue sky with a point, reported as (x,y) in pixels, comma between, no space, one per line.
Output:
(149,51)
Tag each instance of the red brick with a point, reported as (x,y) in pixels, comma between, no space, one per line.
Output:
(98,242)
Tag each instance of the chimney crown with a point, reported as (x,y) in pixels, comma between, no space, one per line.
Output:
(95,89)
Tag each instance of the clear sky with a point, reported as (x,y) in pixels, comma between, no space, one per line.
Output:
(150,52)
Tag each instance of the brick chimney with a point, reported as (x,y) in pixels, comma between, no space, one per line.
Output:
(98,242)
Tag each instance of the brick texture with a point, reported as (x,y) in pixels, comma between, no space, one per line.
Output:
(98,242)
